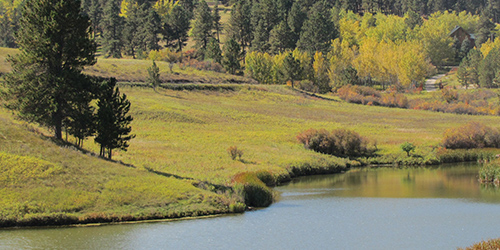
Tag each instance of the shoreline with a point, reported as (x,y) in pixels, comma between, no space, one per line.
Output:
(293,172)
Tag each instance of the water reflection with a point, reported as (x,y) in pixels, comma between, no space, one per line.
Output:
(441,182)
(436,208)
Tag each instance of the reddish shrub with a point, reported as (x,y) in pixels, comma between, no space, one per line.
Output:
(339,142)
(471,135)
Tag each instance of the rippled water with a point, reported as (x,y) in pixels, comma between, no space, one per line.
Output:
(440,208)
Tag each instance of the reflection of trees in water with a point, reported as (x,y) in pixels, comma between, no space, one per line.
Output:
(438,182)
(408,179)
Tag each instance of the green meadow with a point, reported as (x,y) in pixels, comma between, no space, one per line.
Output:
(178,164)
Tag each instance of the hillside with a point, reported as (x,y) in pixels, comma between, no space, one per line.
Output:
(180,150)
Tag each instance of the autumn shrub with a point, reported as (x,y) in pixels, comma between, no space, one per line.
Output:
(471,135)
(202,65)
(339,142)
(395,100)
(234,152)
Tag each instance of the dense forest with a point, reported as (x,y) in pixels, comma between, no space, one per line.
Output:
(320,45)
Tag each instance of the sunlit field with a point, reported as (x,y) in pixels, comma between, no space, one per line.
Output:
(178,164)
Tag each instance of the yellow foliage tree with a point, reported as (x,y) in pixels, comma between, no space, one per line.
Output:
(489,45)
(164,7)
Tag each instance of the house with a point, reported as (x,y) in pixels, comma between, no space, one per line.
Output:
(460,34)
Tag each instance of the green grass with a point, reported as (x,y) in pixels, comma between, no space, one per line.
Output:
(41,180)
(178,164)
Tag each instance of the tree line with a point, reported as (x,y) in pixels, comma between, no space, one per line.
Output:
(397,45)
(133,26)
(47,85)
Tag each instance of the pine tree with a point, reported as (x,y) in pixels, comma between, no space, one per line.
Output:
(240,24)
(485,30)
(318,30)
(154,75)
(296,18)
(217,24)
(112,119)
(131,37)
(202,26)
(150,28)
(291,68)
(260,40)
(55,45)
(80,121)
(111,24)
(95,15)
(213,51)
(281,38)
(177,27)
(232,56)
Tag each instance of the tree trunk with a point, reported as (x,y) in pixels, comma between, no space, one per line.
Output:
(109,153)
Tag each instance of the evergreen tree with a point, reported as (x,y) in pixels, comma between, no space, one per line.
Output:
(81,120)
(178,22)
(291,68)
(318,30)
(281,38)
(240,24)
(154,75)
(296,18)
(485,30)
(55,45)
(202,26)
(412,19)
(131,37)
(112,120)
(213,51)
(7,27)
(111,24)
(232,56)
(260,40)
(95,14)
(150,29)
(489,68)
(217,24)
(189,6)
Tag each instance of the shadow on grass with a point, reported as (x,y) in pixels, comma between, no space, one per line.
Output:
(314,95)
(167,174)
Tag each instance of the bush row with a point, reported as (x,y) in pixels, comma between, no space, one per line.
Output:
(450,101)
(369,96)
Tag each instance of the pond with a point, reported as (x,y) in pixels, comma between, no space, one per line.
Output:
(431,208)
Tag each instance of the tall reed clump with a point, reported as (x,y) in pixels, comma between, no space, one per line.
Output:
(471,135)
(254,191)
(339,142)
(465,155)
(490,173)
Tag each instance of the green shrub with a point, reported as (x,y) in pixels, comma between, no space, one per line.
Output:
(471,135)
(254,191)
(407,147)
(237,207)
(339,142)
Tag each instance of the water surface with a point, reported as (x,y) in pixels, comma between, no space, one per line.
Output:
(438,208)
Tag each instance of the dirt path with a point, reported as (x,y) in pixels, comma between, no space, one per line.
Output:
(430,84)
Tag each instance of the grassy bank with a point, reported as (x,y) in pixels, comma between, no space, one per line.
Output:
(178,165)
